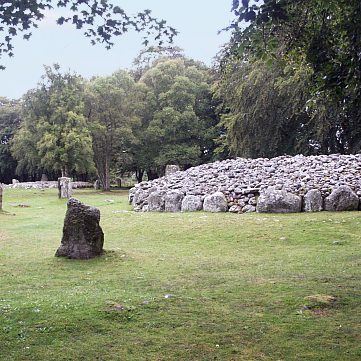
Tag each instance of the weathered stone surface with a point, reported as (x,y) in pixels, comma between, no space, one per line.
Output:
(65,187)
(278,201)
(156,202)
(342,199)
(235,209)
(313,201)
(44,178)
(173,201)
(249,208)
(83,237)
(96,185)
(241,180)
(171,168)
(215,202)
(191,203)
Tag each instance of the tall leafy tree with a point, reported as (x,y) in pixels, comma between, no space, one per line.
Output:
(177,120)
(110,108)
(9,121)
(54,135)
(326,35)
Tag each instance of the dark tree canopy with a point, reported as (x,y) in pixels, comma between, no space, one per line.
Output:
(100,21)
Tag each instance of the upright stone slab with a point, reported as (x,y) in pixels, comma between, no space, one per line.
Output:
(173,201)
(83,237)
(342,199)
(215,202)
(65,187)
(191,203)
(171,168)
(156,202)
(278,201)
(313,201)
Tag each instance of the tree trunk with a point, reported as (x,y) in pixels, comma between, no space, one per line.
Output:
(1,198)
(152,174)
(106,184)
(139,174)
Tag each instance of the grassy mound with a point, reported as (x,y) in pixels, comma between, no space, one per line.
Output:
(180,286)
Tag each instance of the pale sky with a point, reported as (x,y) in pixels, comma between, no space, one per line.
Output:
(198,22)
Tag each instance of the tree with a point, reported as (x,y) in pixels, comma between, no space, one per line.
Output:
(264,108)
(100,20)
(9,122)
(54,135)
(110,110)
(177,118)
(327,36)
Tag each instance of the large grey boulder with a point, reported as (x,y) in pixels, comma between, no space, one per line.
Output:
(215,202)
(313,201)
(156,202)
(65,187)
(83,237)
(191,203)
(173,201)
(342,199)
(278,201)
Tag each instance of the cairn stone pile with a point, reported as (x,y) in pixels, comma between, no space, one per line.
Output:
(282,184)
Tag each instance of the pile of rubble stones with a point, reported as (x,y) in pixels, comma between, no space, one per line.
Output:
(282,184)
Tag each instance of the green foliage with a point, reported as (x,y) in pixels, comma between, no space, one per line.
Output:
(177,120)
(54,135)
(320,41)
(100,20)
(9,122)
(111,109)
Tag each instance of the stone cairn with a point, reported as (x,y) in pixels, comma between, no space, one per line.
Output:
(83,237)
(278,185)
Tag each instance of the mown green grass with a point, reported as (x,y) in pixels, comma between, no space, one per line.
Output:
(235,285)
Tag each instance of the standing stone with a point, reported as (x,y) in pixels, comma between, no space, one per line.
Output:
(173,201)
(171,168)
(278,201)
(44,178)
(96,185)
(342,199)
(14,181)
(156,202)
(83,237)
(215,202)
(191,203)
(65,187)
(1,197)
(312,201)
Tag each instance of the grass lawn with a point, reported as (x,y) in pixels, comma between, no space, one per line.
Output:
(192,286)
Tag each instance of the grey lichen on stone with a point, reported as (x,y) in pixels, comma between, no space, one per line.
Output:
(342,199)
(313,201)
(215,202)
(173,201)
(191,203)
(278,201)
(83,237)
